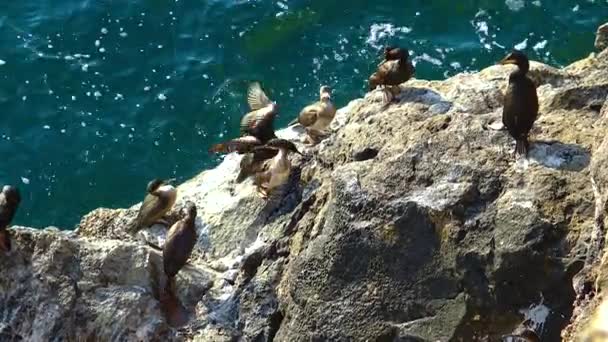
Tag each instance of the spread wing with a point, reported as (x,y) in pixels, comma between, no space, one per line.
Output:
(255,162)
(264,153)
(256,97)
(240,145)
(259,123)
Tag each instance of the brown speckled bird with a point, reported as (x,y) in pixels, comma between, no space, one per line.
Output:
(177,249)
(273,173)
(259,123)
(394,70)
(159,200)
(317,117)
(521,102)
(180,242)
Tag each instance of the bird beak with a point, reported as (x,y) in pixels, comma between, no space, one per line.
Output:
(508,60)
(170,181)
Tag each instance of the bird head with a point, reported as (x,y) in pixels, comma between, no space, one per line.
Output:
(190,210)
(155,184)
(11,194)
(325,92)
(517,58)
(395,53)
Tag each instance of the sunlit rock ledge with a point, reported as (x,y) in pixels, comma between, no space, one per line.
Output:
(411,222)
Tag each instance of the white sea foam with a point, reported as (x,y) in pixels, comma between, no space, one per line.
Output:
(482,27)
(540,45)
(522,45)
(515,5)
(425,57)
(379,32)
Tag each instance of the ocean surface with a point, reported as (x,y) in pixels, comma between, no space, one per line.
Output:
(98,97)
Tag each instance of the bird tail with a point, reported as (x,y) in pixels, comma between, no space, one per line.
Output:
(5,241)
(173,310)
(522,146)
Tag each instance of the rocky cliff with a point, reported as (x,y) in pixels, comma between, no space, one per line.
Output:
(412,222)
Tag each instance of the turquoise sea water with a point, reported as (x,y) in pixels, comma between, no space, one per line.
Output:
(98,97)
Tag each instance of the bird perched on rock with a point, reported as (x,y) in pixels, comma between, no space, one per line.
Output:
(159,200)
(521,102)
(9,202)
(259,123)
(255,154)
(316,117)
(273,173)
(394,70)
(254,162)
(177,249)
(180,242)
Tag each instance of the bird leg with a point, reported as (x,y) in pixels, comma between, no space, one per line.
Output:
(394,90)
(263,191)
(386,95)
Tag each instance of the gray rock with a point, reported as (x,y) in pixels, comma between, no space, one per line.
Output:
(411,222)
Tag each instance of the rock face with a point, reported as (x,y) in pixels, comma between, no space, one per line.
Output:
(412,222)
(601,39)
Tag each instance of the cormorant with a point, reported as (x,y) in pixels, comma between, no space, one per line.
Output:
(316,117)
(159,200)
(394,70)
(9,202)
(274,172)
(177,249)
(521,102)
(259,123)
